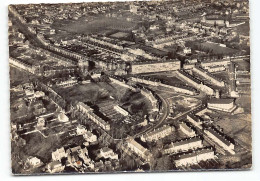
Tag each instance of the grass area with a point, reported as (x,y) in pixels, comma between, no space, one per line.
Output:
(243,65)
(243,29)
(216,49)
(85,26)
(37,145)
(18,76)
(245,102)
(237,127)
(84,93)
(171,79)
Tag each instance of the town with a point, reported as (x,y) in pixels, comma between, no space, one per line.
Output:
(135,86)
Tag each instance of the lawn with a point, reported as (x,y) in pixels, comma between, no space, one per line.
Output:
(216,49)
(84,93)
(18,76)
(237,127)
(82,25)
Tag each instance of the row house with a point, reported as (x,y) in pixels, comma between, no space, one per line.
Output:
(157,134)
(193,158)
(183,145)
(220,140)
(187,130)
(209,76)
(138,149)
(92,116)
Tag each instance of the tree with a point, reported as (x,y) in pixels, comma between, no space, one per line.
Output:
(164,163)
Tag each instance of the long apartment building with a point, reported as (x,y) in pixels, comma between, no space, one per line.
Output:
(104,41)
(183,145)
(151,66)
(67,83)
(208,65)
(195,82)
(22,65)
(193,158)
(138,149)
(92,116)
(214,80)
(148,94)
(194,120)
(220,140)
(157,133)
(176,88)
(161,42)
(187,130)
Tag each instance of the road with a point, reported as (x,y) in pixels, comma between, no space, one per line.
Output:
(164,114)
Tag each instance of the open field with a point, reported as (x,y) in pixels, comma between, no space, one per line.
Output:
(216,49)
(18,76)
(238,127)
(93,26)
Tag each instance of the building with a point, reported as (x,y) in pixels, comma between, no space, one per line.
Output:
(23,65)
(214,80)
(187,130)
(157,134)
(225,105)
(108,153)
(58,154)
(149,66)
(92,116)
(194,82)
(84,108)
(195,120)
(220,140)
(63,118)
(55,167)
(183,145)
(81,130)
(89,137)
(138,149)
(67,83)
(41,123)
(187,50)
(194,157)
(34,162)
(121,110)
(176,88)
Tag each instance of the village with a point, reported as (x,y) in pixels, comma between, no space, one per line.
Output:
(162,85)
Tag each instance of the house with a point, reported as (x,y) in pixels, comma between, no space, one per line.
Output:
(195,120)
(59,154)
(108,153)
(187,50)
(183,145)
(73,156)
(89,137)
(157,134)
(34,161)
(193,158)
(39,94)
(41,122)
(55,167)
(63,118)
(220,139)
(138,149)
(81,130)
(121,110)
(187,130)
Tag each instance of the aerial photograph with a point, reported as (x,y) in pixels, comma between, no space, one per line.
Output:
(137,86)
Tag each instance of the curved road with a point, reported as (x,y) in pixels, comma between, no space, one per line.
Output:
(165,112)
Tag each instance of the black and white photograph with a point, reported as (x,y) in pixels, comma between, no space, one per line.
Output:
(134,86)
